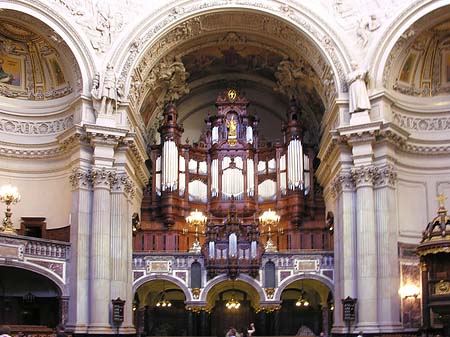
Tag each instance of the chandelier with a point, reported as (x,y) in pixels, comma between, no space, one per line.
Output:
(9,196)
(162,302)
(302,301)
(196,219)
(232,303)
(269,219)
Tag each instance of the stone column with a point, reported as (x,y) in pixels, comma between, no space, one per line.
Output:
(388,263)
(344,245)
(121,251)
(366,249)
(100,263)
(79,251)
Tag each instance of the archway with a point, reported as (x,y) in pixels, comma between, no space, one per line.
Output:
(28,298)
(159,308)
(306,306)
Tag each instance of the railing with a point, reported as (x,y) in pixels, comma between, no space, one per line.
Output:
(38,247)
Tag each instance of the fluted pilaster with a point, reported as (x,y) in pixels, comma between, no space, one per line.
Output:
(79,253)
(388,272)
(100,265)
(344,243)
(366,248)
(122,190)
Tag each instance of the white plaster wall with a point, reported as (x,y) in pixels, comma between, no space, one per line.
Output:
(45,195)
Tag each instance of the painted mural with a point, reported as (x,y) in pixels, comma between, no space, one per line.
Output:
(10,70)
(30,67)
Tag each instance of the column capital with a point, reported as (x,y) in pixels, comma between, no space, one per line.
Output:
(364,175)
(386,176)
(122,183)
(80,178)
(102,177)
(342,182)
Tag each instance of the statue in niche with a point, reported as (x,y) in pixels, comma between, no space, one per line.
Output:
(106,96)
(358,99)
(232,127)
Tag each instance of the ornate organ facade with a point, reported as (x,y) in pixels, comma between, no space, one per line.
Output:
(232,175)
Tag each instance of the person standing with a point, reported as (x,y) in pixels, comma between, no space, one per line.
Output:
(252,330)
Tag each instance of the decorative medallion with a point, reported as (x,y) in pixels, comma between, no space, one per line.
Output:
(232,95)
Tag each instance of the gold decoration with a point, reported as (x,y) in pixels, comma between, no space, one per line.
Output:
(442,288)
(232,94)
(196,292)
(270,292)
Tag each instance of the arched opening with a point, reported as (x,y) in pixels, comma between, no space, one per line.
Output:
(307,307)
(159,309)
(28,299)
(233,304)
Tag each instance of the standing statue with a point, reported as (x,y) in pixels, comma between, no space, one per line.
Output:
(358,99)
(109,91)
(106,95)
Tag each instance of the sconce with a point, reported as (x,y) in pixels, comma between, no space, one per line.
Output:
(409,291)
(135,223)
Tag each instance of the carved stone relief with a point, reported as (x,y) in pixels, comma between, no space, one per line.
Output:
(422,123)
(36,128)
(237,21)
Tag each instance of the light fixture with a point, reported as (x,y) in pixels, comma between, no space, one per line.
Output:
(232,303)
(196,219)
(8,195)
(162,302)
(269,219)
(302,301)
(409,290)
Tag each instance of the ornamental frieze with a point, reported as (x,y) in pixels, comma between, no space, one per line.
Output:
(422,123)
(36,128)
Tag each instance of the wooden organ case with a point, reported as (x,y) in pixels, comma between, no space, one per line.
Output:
(232,175)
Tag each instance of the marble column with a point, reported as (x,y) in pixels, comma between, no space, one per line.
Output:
(366,249)
(121,234)
(78,319)
(345,245)
(388,263)
(100,252)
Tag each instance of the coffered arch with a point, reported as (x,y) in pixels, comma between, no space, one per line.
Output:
(275,30)
(399,34)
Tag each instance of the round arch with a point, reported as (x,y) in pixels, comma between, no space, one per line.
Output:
(63,28)
(141,281)
(222,278)
(62,287)
(399,25)
(326,281)
(127,54)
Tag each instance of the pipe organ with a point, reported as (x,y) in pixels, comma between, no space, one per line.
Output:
(233,167)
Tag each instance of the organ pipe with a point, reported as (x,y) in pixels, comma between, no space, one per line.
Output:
(170,165)
(295,164)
